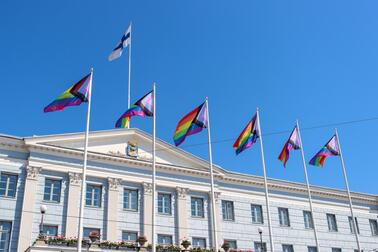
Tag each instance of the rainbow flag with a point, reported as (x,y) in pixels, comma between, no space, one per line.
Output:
(248,136)
(73,96)
(331,148)
(191,124)
(143,107)
(291,144)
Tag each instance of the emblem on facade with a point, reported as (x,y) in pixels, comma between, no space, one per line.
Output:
(114,183)
(182,192)
(132,149)
(32,171)
(75,178)
(147,188)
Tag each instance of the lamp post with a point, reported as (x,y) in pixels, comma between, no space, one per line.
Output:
(260,229)
(43,210)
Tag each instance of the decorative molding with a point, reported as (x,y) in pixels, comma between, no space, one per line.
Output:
(114,183)
(182,192)
(75,178)
(147,188)
(32,172)
(216,196)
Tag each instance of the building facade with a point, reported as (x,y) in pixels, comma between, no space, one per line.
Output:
(46,170)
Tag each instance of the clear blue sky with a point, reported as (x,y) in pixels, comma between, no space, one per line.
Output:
(315,61)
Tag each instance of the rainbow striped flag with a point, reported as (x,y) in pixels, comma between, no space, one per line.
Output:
(143,107)
(291,144)
(331,148)
(248,136)
(191,124)
(73,96)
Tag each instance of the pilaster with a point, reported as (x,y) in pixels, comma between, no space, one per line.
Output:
(218,217)
(73,204)
(182,222)
(27,215)
(147,211)
(112,208)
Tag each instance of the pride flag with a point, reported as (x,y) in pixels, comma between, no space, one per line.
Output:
(143,107)
(331,148)
(191,124)
(248,136)
(291,144)
(73,96)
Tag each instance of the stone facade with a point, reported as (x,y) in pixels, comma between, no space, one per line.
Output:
(180,175)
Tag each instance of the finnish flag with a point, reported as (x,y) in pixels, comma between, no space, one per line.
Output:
(125,41)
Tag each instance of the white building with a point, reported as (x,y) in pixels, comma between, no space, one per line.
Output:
(46,170)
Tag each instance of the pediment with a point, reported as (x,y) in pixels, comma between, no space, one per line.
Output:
(122,143)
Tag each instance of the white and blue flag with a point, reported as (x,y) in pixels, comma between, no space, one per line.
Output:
(125,41)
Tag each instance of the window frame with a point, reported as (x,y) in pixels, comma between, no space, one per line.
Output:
(373,222)
(281,221)
(310,220)
(309,248)
(228,205)
(129,232)
(165,235)
(253,206)
(329,226)
(288,246)
(94,186)
(6,189)
(351,226)
(229,241)
(7,233)
(130,190)
(50,225)
(199,238)
(336,249)
(51,192)
(257,245)
(202,215)
(163,207)
(91,229)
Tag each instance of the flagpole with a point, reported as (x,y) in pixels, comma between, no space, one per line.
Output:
(349,196)
(154,168)
(129,80)
(308,188)
(265,184)
(214,217)
(84,171)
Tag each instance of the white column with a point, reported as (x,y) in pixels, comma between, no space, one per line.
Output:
(182,215)
(147,210)
(28,208)
(218,214)
(112,209)
(73,203)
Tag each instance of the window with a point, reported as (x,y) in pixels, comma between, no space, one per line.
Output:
(228,210)
(283,214)
(356,250)
(8,184)
(164,239)
(287,248)
(129,236)
(5,231)
(373,227)
(336,249)
(130,199)
(93,196)
(164,203)
(87,231)
(52,190)
(231,243)
(351,226)
(312,249)
(50,230)
(258,247)
(197,207)
(308,222)
(332,225)
(257,216)
(199,242)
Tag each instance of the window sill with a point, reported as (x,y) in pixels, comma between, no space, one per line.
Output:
(50,202)
(130,210)
(8,197)
(257,223)
(165,214)
(228,220)
(198,217)
(93,207)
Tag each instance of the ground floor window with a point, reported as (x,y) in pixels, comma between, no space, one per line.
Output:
(129,236)
(50,230)
(260,247)
(199,242)
(5,231)
(164,239)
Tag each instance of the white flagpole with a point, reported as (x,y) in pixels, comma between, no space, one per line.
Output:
(129,81)
(265,184)
(214,217)
(154,169)
(349,196)
(83,179)
(308,188)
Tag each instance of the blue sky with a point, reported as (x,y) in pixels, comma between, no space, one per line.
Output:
(312,61)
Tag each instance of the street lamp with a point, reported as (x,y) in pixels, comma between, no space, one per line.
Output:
(43,210)
(260,229)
